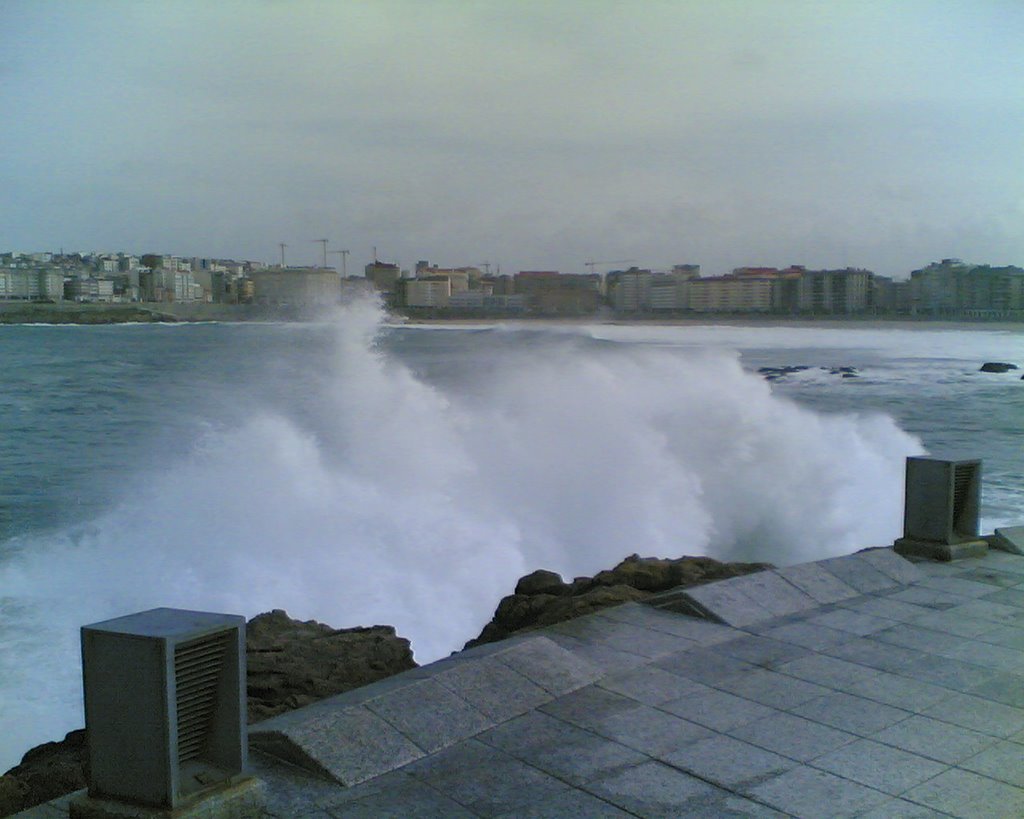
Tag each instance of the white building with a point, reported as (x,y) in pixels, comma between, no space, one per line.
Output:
(296,286)
(731,294)
(633,292)
(89,289)
(430,291)
(23,284)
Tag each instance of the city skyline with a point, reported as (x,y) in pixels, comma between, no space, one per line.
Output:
(531,136)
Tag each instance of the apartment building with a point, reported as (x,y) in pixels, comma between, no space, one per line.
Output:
(31,284)
(835,291)
(732,294)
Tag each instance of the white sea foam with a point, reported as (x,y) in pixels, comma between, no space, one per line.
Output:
(392,500)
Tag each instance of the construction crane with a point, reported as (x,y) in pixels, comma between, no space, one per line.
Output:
(323,244)
(282,245)
(591,264)
(344,266)
(486,266)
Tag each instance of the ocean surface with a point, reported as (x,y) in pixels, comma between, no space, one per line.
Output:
(361,473)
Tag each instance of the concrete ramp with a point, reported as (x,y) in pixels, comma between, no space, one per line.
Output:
(1009,539)
(752,598)
(370,731)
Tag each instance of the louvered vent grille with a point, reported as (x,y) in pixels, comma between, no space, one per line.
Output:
(198,666)
(962,475)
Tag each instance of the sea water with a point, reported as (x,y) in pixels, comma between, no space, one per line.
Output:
(360,473)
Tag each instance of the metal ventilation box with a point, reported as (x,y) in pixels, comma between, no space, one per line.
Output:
(164,704)
(942,500)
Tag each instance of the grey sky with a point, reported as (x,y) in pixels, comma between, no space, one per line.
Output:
(530,134)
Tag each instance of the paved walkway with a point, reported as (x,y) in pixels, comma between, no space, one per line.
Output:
(861,686)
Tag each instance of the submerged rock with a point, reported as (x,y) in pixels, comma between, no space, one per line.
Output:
(997,367)
(775,373)
(542,598)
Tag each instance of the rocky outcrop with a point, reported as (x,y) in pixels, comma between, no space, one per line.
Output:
(46,772)
(290,663)
(293,663)
(997,367)
(542,598)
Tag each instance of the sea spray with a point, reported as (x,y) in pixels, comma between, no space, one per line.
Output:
(382,495)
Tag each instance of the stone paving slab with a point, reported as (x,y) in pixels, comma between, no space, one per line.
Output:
(718,710)
(958,585)
(966,794)
(725,602)
(879,766)
(485,780)
(817,582)
(705,665)
(771,591)
(853,622)
(545,664)
(626,637)
(935,739)
(773,689)
(560,748)
(1003,761)
(429,715)
(762,651)
(570,804)
(897,691)
(657,790)
(893,565)
(493,688)
(649,685)
(886,608)
(978,714)
(652,731)
(702,632)
(729,763)
(589,706)
(848,712)
(348,746)
(812,793)
(830,672)
(859,573)
(792,736)
(806,635)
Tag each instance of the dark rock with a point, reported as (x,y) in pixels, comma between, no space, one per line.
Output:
(541,582)
(46,772)
(997,367)
(635,578)
(293,663)
(775,373)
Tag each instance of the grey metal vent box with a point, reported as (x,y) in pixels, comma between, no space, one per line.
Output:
(942,500)
(164,704)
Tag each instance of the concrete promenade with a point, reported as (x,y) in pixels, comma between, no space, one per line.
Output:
(858,686)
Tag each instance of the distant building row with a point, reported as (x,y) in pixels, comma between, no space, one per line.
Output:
(950,288)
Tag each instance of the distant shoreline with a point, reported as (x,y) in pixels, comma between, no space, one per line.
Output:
(147,312)
(713,319)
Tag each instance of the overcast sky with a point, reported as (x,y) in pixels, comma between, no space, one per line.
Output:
(536,135)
